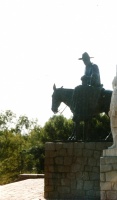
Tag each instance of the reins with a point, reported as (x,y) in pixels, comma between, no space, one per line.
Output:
(62,110)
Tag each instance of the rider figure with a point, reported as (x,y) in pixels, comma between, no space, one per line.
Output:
(92,75)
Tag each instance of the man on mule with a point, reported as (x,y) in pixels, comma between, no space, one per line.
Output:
(86,96)
(92,74)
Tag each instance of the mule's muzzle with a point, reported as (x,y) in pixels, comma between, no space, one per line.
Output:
(54,110)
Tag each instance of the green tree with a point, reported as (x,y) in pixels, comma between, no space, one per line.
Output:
(57,128)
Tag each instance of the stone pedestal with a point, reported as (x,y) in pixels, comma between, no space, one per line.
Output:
(72,170)
(108,174)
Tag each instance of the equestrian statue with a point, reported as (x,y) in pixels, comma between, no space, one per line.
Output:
(85,101)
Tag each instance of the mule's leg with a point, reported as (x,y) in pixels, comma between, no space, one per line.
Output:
(86,131)
(74,135)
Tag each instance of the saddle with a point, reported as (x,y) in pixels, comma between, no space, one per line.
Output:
(85,101)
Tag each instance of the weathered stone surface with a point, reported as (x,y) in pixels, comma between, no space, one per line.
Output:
(79,185)
(114,186)
(68,160)
(105,168)
(59,146)
(88,185)
(102,161)
(79,145)
(112,195)
(59,160)
(87,153)
(92,161)
(96,169)
(105,185)
(88,168)
(50,146)
(102,177)
(90,145)
(72,170)
(77,152)
(103,195)
(97,154)
(68,145)
(82,160)
(110,160)
(110,152)
(94,176)
(111,176)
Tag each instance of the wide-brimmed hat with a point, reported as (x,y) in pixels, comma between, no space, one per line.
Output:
(84,56)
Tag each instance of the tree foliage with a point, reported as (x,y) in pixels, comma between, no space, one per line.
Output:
(22,141)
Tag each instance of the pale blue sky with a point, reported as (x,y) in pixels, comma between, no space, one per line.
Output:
(40,42)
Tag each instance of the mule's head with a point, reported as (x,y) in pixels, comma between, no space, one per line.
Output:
(56,101)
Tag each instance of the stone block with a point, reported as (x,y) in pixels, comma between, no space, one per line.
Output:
(96,169)
(79,185)
(49,188)
(105,185)
(90,145)
(77,152)
(85,176)
(59,160)
(68,145)
(110,152)
(63,168)
(74,185)
(102,161)
(88,185)
(94,176)
(79,145)
(110,160)
(87,153)
(69,152)
(68,160)
(71,176)
(114,186)
(76,194)
(114,166)
(103,195)
(58,146)
(90,193)
(54,181)
(51,168)
(105,168)
(82,160)
(49,161)
(92,161)
(111,176)
(88,168)
(51,154)
(96,183)
(63,189)
(102,177)
(49,146)
(112,195)
(65,182)
(97,154)
(48,175)
(79,175)
(100,146)
(62,152)
(77,168)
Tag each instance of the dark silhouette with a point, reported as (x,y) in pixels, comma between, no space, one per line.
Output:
(92,74)
(84,102)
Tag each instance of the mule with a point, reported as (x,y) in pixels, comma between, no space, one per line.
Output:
(66,96)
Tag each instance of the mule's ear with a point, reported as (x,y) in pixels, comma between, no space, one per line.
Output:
(54,87)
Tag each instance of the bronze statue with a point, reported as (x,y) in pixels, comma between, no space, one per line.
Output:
(92,74)
(80,109)
(86,100)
